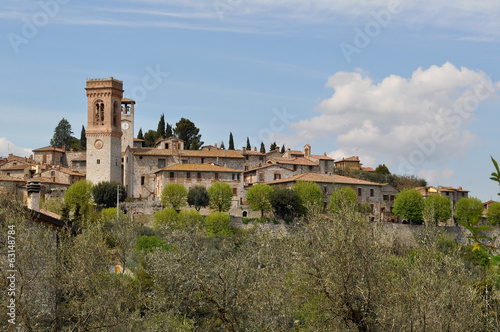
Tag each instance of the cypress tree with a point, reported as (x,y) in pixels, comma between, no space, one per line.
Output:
(231,142)
(262,148)
(139,134)
(249,147)
(83,138)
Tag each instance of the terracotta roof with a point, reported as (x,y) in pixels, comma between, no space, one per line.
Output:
(138,140)
(208,167)
(251,152)
(79,159)
(268,165)
(16,168)
(49,180)
(321,157)
(65,170)
(294,161)
(297,152)
(325,178)
(187,153)
(48,148)
(353,158)
(128,100)
(367,169)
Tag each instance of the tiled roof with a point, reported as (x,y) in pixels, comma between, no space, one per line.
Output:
(127,100)
(8,178)
(65,170)
(294,161)
(353,158)
(251,152)
(208,167)
(187,153)
(296,152)
(321,157)
(325,178)
(138,140)
(16,168)
(268,165)
(367,169)
(48,148)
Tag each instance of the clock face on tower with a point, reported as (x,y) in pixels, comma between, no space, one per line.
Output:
(124,125)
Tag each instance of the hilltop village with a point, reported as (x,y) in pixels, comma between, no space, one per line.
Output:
(114,154)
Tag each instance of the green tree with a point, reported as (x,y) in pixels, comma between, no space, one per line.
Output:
(262,148)
(217,224)
(259,198)
(174,196)
(273,146)
(150,138)
(139,134)
(148,243)
(105,193)
(79,193)
(168,131)
(249,146)
(469,209)
(283,150)
(437,209)
(231,142)
(191,220)
(285,202)
(189,133)
(409,205)
(493,214)
(109,214)
(62,135)
(161,132)
(221,196)
(83,139)
(310,196)
(343,200)
(382,169)
(222,146)
(168,218)
(198,197)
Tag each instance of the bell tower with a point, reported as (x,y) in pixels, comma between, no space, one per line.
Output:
(104,130)
(127,123)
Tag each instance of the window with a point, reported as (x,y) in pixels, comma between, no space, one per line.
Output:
(53,173)
(98,161)
(372,192)
(44,159)
(277,176)
(202,160)
(99,113)
(392,197)
(325,190)
(261,177)
(310,168)
(161,163)
(184,161)
(236,176)
(216,175)
(294,168)
(261,158)
(142,180)
(235,191)
(115,113)
(188,175)
(172,175)
(359,192)
(371,208)
(246,157)
(246,168)
(198,175)
(385,198)
(166,146)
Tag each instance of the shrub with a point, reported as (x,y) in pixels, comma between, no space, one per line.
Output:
(148,243)
(166,218)
(191,219)
(105,193)
(217,224)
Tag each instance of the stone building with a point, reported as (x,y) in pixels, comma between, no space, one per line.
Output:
(368,192)
(201,174)
(50,155)
(266,173)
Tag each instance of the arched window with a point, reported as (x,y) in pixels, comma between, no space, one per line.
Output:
(115,113)
(102,114)
(96,113)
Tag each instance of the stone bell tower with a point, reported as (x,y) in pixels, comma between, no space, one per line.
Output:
(127,119)
(104,130)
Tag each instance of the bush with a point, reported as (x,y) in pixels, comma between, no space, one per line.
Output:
(148,243)
(343,200)
(493,214)
(190,220)
(217,224)
(166,218)
(109,214)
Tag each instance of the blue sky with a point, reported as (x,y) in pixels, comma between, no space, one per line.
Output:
(411,84)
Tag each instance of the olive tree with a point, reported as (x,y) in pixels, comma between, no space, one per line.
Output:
(198,197)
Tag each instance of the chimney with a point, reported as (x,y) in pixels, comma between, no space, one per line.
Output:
(64,148)
(33,189)
(255,148)
(215,145)
(244,149)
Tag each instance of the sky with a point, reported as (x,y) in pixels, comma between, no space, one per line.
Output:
(410,84)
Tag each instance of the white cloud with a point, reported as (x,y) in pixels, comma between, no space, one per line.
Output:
(401,121)
(7,147)
(437,177)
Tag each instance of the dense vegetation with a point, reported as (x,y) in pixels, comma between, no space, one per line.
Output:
(334,272)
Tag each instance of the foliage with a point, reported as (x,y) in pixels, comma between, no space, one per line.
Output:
(150,138)
(495,176)
(109,214)
(285,202)
(259,198)
(78,198)
(382,169)
(125,238)
(105,193)
(262,147)
(400,182)
(283,150)
(469,209)
(273,146)
(62,135)
(222,146)
(343,200)
(160,131)
(249,146)
(168,218)
(217,224)
(174,196)
(437,209)
(168,131)
(493,214)
(221,196)
(140,135)
(149,243)
(191,220)
(83,139)
(231,142)
(409,205)
(189,133)
(310,195)
(198,197)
